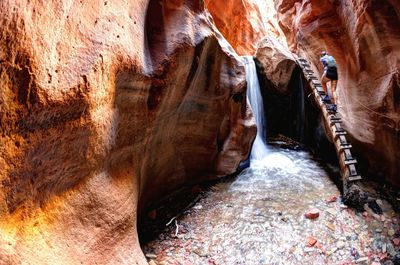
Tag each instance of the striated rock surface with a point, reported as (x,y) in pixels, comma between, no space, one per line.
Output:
(277,62)
(244,23)
(104,107)
(364,37)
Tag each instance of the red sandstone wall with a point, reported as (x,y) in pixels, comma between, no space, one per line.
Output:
(102,106)
(364,37)
(245,23)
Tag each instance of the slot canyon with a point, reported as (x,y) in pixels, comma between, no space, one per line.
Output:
(196,132)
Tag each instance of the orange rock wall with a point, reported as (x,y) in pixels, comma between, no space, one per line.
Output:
(104,106)
(245,23)
(364,37)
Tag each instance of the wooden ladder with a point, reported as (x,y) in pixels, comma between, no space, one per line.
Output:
(336,133)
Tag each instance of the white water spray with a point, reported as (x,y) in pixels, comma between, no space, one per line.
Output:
(259,150)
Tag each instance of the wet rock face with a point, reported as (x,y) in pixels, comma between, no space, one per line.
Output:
(245,23)
(102,106)
(364,37)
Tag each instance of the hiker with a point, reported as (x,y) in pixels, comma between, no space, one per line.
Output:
(330,75)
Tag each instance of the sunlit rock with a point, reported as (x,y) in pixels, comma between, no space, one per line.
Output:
(103,105)
(245,23)
(276,61)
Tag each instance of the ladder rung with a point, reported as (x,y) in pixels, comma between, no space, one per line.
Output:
(339,133)
(354,178)
(345,146)
(334,118)
(350,161)
(320,90)
(335,121)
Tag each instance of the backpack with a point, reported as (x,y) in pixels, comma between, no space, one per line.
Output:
(330,61)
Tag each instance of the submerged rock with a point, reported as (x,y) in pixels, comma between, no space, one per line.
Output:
(355,197)
(312,214)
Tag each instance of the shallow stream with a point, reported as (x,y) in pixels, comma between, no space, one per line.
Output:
(258,218)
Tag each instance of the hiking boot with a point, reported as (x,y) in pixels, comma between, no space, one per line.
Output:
(326,98)
(332,108)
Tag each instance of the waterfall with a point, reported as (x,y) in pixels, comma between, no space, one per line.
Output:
(302,115)
(259,150)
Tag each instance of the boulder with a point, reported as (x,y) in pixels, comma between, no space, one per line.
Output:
(276,62)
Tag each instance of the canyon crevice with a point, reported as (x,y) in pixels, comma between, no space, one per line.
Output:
(106,107)
(364,37)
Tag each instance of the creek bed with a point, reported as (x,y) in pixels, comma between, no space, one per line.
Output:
(258,218)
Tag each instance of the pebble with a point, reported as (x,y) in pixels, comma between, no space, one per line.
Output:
(340,244)
(332,198)
(362,260)
(331,211)
(396,241)
(151,255)
(391,232)
(331,226)
(311,241)
(312,214)
(330,252)
(390,249)
(152,262)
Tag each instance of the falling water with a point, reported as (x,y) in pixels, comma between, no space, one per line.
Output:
(302,115)
(259,150)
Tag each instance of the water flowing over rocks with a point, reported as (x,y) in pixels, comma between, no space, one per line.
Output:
(103,106)
(108,106)
(237,222)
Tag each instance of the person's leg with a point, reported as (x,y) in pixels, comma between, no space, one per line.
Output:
(333,88)
(324,80)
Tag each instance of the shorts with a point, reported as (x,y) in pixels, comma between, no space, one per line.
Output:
(332,73)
